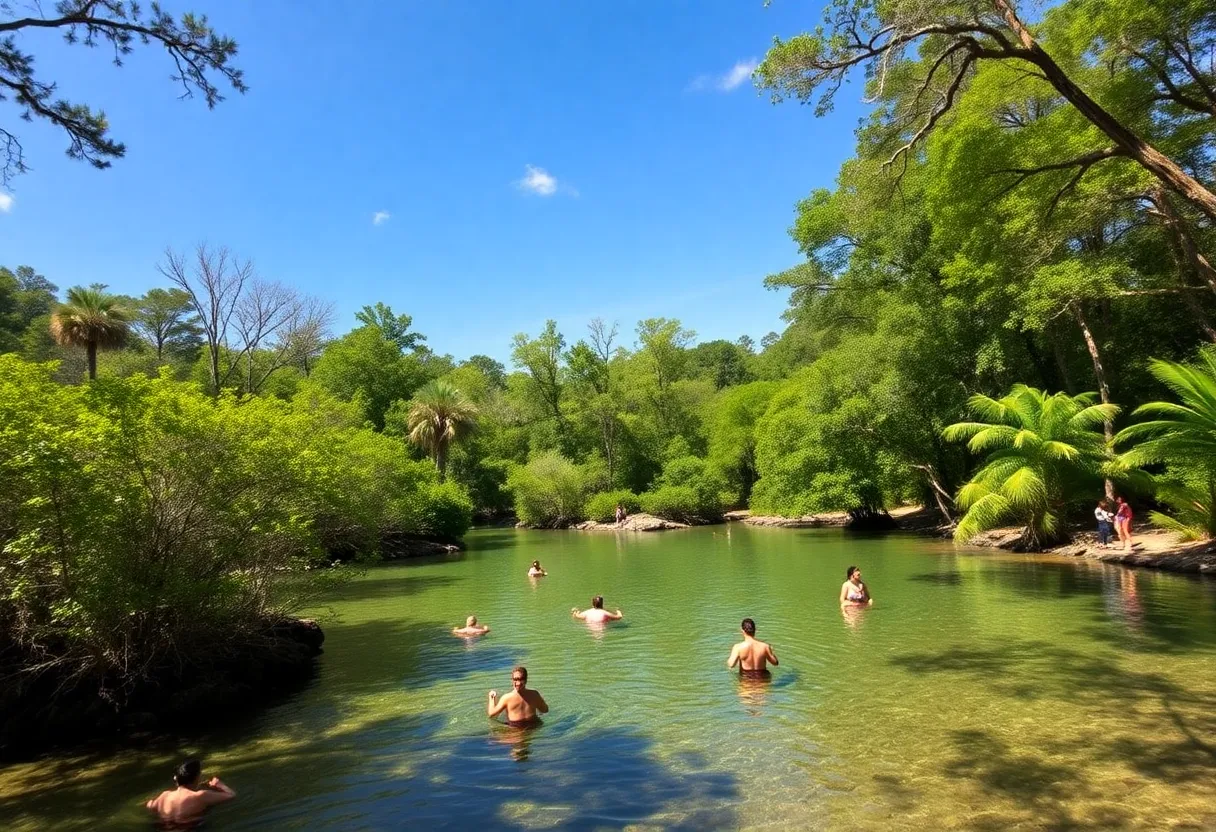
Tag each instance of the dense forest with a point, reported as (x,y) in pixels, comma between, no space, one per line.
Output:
(1006,308)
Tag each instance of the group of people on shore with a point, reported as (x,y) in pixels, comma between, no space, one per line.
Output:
(1115,518)
(184,805)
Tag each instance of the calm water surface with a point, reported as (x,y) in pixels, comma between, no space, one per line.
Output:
(982,691)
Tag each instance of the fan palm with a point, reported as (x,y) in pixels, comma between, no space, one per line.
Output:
(1041,449)
(438,416)
(92,319)
(1183,437)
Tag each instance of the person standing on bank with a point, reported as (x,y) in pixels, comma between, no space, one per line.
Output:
(1105,520)
(1123,522)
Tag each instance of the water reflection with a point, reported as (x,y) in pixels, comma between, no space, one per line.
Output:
(753,690)
(854,615)
(518,738)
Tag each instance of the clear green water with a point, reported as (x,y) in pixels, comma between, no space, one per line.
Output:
(982,691)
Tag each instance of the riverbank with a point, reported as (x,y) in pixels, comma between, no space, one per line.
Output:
(1154,549)
(51,709)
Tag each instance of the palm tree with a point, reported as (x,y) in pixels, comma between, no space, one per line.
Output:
(92,319)
(438,416)
(1183,437)
(1041,449)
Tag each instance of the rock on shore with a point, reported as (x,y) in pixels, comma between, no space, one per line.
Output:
(633,523)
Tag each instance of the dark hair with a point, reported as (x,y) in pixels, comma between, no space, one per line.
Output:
(849,572)
(522,671)
(749,626)
(1104,504)
(187,773)
(536,564)
(598,602)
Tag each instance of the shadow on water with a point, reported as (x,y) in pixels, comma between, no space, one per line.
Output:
(489,541)
(386,774)
(1165,730)
(392,583)
(939,578)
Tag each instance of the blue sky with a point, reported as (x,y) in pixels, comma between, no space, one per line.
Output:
(526,160)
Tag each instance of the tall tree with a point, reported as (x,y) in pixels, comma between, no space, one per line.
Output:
(197,50)
(954,38)
(439,416)
(91,319)
(165,318)
(395,328)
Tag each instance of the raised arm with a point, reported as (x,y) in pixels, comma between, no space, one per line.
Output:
(219,792)
(495,706)
(576,612)
(614,616)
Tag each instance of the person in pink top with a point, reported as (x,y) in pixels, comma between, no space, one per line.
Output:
(1123,522)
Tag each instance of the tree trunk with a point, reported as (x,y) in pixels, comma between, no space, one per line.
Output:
(91,351)
(1108,428)
(214,354)
(441,461)
(940,495)
(1183,240)
(1144,154)
(1057,352)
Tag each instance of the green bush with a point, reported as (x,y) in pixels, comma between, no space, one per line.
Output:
(140,515)
(447,511)
(548,491)
(688,491)
(601,507)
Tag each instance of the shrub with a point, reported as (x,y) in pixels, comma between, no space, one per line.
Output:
(601,507)
(446,512)
(674,502)
(548,491)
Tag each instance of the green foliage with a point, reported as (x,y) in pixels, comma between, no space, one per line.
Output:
(92,319)
(689,491)
(1183,438)
(549,491)
(1041,453)
(601,507)
(732,435)
(366,366)
(675,502)
(446,511)
(140,516)
(438,416)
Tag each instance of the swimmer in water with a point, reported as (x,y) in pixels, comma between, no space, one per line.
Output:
(597,614)
(184,805)
(521,704)
(751,655)
(535,571)
(853,593)
(471,628)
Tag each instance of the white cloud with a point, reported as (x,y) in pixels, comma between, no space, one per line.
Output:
(380,217)
(6,203)
(538,181)
(728,81)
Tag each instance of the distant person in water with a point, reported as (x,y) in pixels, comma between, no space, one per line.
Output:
(471,628)
(535,571)
(1123,522)
(853,592)
(597,614)
(184,805)
(751,655)
(521,704)
(1105,518)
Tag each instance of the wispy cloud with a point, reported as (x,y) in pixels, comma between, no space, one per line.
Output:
(728,81)
(380,217)
(542,183)
(6,203)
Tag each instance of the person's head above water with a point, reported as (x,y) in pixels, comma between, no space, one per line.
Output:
(598,602)
(187,773)
(519,677)
(749,626)
(471,621)
(536,564)
(849,572)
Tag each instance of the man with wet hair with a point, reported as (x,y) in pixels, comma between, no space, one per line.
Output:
(522,704)
(471,628)
(187,803)
(597,614)
(751,655)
